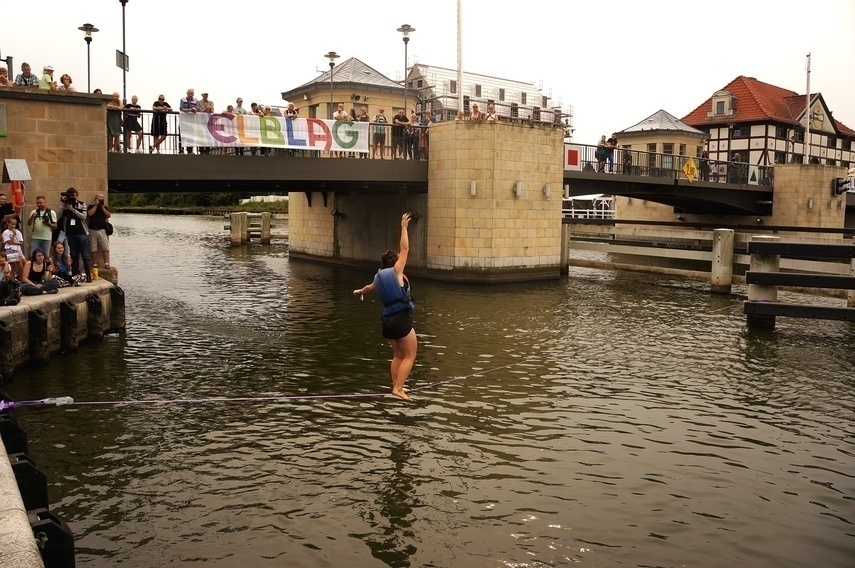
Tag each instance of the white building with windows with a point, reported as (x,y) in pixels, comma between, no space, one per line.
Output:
(766,124)
(437,89)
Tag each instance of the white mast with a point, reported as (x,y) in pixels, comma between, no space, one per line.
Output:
(459,55)
(807,114)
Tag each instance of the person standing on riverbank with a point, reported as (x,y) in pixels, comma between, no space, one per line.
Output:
(393,290)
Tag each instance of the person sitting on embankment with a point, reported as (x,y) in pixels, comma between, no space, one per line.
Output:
(37,277)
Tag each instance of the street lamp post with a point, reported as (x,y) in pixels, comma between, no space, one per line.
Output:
(406,29)
(332,56)
(124,58)
(88,29)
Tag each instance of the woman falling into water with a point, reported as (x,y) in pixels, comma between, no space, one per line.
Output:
(393,289)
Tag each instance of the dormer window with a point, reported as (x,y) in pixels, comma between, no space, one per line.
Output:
(723,104)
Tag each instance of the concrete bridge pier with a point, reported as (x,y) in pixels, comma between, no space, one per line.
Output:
(492,211)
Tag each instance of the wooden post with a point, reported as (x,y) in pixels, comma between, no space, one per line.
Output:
(265,228)
(95,319)
(850,296)
(762,292)
(117,309)
(38,331)
(721,272)
(68,339)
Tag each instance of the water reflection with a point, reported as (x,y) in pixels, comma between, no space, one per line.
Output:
(640,423)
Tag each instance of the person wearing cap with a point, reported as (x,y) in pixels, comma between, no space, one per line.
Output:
(205,105)
(239,107)
(46,83)
(26,79)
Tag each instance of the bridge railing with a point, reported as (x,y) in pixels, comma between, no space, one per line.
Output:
(173,145)
(590,158)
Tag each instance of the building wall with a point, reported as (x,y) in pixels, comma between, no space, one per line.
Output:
(494,235)
(375,99)
(63,138)
(640,141)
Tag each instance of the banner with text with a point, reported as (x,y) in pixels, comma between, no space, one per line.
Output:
(216,130)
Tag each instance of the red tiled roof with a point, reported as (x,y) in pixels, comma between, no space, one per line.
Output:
(755,101)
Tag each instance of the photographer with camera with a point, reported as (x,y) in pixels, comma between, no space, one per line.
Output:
(99,243)
(43,222)
(73,227)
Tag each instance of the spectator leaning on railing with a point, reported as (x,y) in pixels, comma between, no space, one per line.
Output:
(26,79)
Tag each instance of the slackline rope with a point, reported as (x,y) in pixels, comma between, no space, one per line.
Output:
(68,401)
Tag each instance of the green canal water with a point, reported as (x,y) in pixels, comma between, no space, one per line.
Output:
(631,420)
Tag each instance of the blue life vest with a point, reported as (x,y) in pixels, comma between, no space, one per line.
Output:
(395,298)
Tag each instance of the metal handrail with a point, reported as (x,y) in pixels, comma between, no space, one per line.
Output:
(172,144)
(656,164)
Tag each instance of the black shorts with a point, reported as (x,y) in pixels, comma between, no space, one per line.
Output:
(397,325)
(379,138)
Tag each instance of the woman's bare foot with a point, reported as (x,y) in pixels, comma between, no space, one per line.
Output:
(401,394)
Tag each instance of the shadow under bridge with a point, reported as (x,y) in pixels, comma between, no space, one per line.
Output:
(706,198)
(158,173)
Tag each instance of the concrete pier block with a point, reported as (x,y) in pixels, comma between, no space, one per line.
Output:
(73,315)
(17,546)
(721,272)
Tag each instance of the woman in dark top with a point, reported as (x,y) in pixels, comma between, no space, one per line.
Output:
(37,277)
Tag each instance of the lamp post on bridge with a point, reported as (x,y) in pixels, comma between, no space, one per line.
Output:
(332,56)
(88,29)
(406,29)
(124,58)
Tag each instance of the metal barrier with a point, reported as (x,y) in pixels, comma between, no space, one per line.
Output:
(624,161)
(415,150)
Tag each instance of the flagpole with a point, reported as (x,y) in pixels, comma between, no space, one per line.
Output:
(459,55)
(807,113)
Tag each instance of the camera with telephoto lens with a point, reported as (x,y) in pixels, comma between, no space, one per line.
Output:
(68,199)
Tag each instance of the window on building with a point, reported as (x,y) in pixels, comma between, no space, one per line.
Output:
(501,94)
(797,159)
(741,132)
(452,86)
(651,156)
(515,110)
(477,90)
(544,101)
(535,114)
(682,149)
(523,98)
(667,148)
(466,104)
(799,136)
(781,157)
(781,132)
(832,142)
(847,145)
(831,162)
(698,150)
(409,84)
(719,107)
(419,84)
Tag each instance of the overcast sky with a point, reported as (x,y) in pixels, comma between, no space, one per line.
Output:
(616,62)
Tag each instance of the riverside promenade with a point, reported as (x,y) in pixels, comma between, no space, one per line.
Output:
(37,328)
